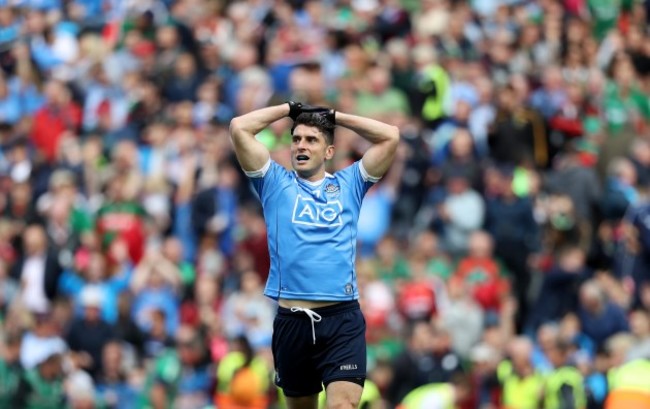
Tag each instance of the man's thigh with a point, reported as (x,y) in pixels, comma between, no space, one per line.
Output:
(295,371)
(342,355)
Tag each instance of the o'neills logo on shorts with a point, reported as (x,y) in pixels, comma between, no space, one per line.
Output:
(348,367)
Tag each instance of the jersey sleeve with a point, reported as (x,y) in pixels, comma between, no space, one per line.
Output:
(264,180)
(358,179)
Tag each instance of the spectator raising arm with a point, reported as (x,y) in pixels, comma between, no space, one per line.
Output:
(151,264)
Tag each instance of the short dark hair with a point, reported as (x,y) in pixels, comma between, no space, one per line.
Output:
(317,121)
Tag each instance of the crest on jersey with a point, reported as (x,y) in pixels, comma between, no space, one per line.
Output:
(332,190)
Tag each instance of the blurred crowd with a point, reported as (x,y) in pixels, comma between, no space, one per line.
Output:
(504,260)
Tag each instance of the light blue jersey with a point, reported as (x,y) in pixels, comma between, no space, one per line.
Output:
(312,231)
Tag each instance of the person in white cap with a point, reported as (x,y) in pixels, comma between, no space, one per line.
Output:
(88,334)
(41,387)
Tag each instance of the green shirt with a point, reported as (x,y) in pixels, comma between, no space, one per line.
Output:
(38,393)
(618,106)
(605,15)
(188,274)
(166,369)
(433,395)
(399,270)
(390,101)
(273,141)
(9,380)
(554,389)
(440,267)
(519,392)
(80,221)
(232,362)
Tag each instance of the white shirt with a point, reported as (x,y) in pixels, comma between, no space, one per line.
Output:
(33,278)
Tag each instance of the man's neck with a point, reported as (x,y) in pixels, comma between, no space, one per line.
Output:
(314,179)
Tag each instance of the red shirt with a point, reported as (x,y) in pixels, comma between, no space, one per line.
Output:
(417,300)
(50,124)
(484,277)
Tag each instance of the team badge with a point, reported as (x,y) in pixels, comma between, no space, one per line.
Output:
(332,190)
(348,288)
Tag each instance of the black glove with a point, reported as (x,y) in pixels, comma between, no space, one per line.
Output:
(328,113)
(297,108)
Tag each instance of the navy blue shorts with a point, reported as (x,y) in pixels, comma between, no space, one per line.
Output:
(339,353)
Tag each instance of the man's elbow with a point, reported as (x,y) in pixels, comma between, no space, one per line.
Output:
(235,125)
(393,136)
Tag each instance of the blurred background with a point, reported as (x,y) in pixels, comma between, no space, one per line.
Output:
(502,262)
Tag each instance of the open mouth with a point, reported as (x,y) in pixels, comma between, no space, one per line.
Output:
(302,158)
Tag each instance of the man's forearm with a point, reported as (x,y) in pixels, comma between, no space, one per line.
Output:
(372,130)
(255,121)
(251,154)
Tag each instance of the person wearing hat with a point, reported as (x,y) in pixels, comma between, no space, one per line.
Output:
(41,387)
(43,335)
(88,334)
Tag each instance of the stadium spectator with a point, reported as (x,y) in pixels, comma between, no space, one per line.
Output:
(38,271)
(113,387)
(181,377)
(10,368)
(41,386)
(88,334)
(599,317)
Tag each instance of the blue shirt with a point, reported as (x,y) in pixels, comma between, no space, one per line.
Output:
(117,395)
(163,299)
(9,33)
(71,284)
(92,8)
(10,111)
(31,99)
(611,320)
(312,231)
(45,5)
(374,219)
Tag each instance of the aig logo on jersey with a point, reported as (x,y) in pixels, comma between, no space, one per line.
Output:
(309,212)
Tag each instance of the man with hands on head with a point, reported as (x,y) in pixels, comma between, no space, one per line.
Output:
(311,217)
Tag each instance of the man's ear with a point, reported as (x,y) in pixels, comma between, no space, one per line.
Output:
(329,152)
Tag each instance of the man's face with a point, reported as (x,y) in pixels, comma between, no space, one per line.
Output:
(189,351)
(92,313)
(555,356)
(422,338)
(34,241)
(457,185)
(309,150)
(51,368)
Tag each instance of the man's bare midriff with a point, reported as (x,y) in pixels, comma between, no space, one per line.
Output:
(305,303)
